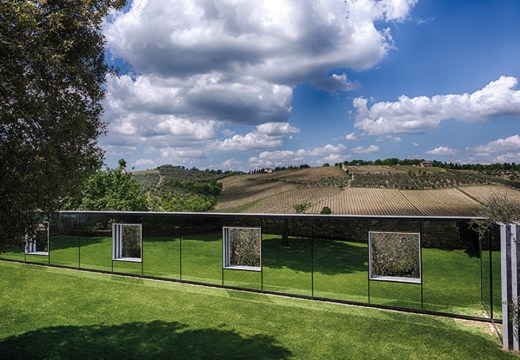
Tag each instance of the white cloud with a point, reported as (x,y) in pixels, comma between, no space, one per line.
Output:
(314,156)
(351,137)
(509,144)
(200,70)
(422,113)
(507,158)
(443,151)
(275,129)
(211,64)
(182,155)
(229,164)
(142,163)
(265,136)
(365,149)
(332,159)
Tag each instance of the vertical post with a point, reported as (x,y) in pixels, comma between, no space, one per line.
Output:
(222,249)
(481,255)
(490,251)
(312,258)
(368,258)
(421,257)
(78,234)
(180,252)
(262,254)
(509,256)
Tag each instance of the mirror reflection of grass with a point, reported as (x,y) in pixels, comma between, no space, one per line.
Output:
(451,277)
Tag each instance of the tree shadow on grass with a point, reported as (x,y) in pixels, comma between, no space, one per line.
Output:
(330,257)
(61,242)
(139,340)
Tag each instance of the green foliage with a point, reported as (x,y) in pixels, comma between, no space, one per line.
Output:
(498,209)
(419,179)
(175,188)
(209,188)
(300,208)
(326,211)
(112,189)
(131,241)
(244,246)
(189,196)
(52,69)
(188,202)
(395,254)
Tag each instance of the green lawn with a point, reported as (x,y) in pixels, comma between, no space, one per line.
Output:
(326,268)
(64,314)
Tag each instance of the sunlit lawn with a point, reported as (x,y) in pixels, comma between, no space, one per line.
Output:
(67,314)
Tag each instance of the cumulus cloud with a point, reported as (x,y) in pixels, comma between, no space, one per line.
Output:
(509,144)
(365,149)
(141,163)
(507,158)
(267,135)
(351,137)
(443,151)
(285,41)
(336,83)
(418,114)
(315,156)
(209,65)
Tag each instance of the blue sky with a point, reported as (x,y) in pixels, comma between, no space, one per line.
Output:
(238,85)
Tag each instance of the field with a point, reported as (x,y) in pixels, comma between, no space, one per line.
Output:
(387,190)
(64,314)
(370,201)
(442,202)
(325,268)
(482,193)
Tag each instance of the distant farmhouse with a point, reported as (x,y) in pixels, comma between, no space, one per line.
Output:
(426,164)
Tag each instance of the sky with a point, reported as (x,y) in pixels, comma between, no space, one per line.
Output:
(241,85)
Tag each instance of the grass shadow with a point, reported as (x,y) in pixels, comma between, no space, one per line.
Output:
(140,340)
(331,257)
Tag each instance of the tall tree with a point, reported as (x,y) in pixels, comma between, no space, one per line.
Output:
(112,189)
(52,70)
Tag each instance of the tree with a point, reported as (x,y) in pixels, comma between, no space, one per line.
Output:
(112,189)
(300,208)
(499,208)
(52,69)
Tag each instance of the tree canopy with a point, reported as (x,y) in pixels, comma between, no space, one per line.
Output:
(112,189)
(52,70)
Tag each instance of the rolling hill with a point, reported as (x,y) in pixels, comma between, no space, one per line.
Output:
(362,190)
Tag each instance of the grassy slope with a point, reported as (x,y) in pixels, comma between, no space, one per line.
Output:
(68,314)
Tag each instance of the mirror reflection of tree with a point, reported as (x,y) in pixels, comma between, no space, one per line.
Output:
(395,254)
(244,247)
(131,241)
(41,238)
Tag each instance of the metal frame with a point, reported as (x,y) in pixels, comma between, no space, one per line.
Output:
(117,243)
(226,255)
(30,244)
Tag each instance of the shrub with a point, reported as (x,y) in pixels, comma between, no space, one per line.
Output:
(326,211)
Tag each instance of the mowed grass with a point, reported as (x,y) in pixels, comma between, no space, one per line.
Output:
(322,268)
(63,314)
